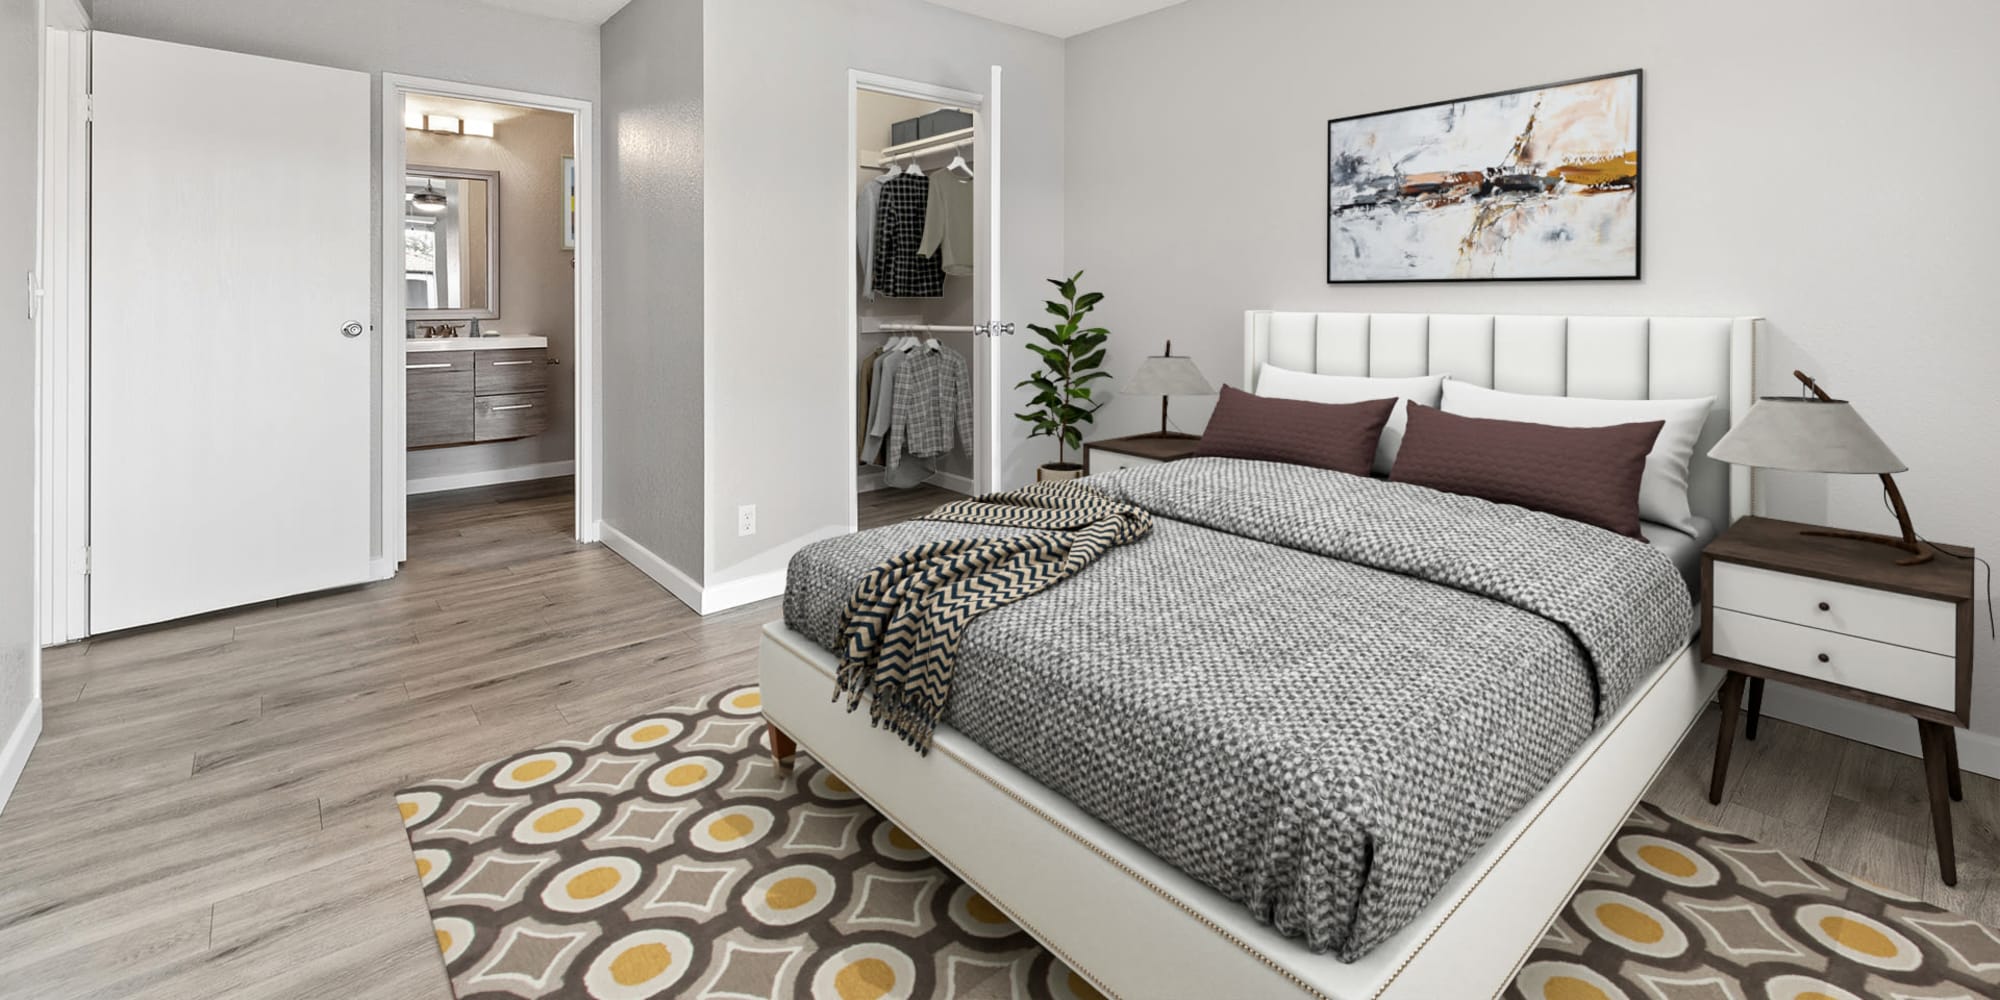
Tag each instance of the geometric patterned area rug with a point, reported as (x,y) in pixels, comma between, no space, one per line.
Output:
(668,857)
(1678,911)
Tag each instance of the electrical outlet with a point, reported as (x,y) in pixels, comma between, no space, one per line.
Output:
(746,519)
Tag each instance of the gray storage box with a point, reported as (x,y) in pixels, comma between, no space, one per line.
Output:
(940,122)
(908,130)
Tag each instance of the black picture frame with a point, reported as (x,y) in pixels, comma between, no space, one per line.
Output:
(1638,181)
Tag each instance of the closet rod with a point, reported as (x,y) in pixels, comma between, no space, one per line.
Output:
(987,328)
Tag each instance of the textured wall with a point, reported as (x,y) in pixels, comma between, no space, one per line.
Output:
(19,29)
(653,278)
(537,276)
(780,202)
(1797,165)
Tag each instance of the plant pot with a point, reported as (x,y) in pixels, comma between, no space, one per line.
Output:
(1056,472)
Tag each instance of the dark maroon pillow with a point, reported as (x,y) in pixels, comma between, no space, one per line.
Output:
(1338,436)
(1588,474)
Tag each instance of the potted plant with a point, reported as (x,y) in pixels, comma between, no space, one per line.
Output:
(1071,361)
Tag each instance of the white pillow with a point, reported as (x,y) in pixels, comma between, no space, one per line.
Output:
(1285,383)
(1663,491)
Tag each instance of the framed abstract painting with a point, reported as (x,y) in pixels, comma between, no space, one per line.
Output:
(1535,184)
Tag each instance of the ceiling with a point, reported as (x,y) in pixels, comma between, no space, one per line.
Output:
(581,11)
(1061,18)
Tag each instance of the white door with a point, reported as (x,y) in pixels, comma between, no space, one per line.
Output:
(230,410)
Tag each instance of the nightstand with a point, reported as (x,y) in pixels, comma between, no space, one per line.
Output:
(1840,617)
(1140,449)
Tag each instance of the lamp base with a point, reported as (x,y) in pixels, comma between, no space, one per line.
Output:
(1920,552)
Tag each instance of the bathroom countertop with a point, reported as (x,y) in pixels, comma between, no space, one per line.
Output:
(418,345)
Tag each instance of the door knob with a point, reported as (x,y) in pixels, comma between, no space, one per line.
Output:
(352,329)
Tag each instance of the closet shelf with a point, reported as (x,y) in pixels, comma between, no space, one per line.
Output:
(935,144)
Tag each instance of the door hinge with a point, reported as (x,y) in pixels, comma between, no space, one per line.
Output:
(89,108)
(35,296)
(86,560)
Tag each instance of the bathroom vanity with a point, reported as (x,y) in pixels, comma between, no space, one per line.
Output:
(463,390)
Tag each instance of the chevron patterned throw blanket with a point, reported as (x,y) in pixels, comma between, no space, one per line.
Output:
(900,631)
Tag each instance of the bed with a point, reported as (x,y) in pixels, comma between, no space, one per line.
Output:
(1137,926)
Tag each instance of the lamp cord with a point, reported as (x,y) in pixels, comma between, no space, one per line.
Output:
(1992,628)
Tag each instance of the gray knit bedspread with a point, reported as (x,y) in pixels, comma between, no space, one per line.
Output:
(1318,693)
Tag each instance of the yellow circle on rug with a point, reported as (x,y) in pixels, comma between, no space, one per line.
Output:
(417,807)
(683,777)
(732,829)
(640,965)
(747,701)
(865,972)
(533,770)
(646,734)
(1670,862)
(1566,981)
(454,935)
(590,884)
(557,821)
(790,894)
(1630,923)
(976,915)
(1860,938)
(1798,987)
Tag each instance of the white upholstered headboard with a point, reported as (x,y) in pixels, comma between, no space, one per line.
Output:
(1604,357)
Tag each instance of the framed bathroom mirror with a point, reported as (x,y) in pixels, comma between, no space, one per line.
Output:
(451,243)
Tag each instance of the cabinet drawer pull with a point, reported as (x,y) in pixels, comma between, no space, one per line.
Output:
(1823,606)
(1823,658)
(434,364)
(498,364)
(514,406)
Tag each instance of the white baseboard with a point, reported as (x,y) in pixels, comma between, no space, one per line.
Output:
(20,743)
(1977,752)
(748,590)
(490,477)
(646,561)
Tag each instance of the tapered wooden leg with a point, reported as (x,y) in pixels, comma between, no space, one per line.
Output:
(782,746)
(1725,735)
(1951,763)
(1935,737)
(1756,708)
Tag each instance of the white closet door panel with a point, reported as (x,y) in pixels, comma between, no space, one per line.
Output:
(230,416)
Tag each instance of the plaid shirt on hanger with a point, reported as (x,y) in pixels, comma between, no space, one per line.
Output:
(931,400)
(899,230)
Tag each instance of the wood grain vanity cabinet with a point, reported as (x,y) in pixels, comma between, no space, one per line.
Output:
(468,396)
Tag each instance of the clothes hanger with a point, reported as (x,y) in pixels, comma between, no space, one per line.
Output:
(911,168)
(958,161)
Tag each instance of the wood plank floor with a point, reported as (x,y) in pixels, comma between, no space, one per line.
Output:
(208,812)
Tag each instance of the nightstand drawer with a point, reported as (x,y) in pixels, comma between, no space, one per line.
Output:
(1908,674)
(1111,461)
(1917,622)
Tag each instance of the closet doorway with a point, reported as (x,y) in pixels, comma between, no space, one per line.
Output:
(922,168)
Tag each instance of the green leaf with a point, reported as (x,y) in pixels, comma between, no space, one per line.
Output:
(1088,301)
(1089,362)
(1072,437)
(1087,379)
(1056,309)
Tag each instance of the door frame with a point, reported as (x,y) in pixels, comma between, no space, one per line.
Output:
(588,418)
(986,295)
(60,298)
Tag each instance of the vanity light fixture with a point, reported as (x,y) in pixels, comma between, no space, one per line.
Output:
(413,119)
(447,124)
(441,123)
(483,129)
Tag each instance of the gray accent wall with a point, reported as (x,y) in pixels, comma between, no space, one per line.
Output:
(20,27)
(779,205)
(653,278)
(1798,164)
(441,39)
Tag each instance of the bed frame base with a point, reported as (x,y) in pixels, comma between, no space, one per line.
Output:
(1136,927)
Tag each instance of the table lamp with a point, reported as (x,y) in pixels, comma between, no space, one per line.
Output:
(1167,376)
(1818,433)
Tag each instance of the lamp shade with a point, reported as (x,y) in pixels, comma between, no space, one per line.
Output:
(1806,435)
(1167,376)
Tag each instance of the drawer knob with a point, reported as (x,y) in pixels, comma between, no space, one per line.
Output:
(1823,658)
(1823,606)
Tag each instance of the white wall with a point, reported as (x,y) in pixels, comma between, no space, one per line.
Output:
(537,276)
(653,276)
(1809,162)
(779,205)
(442,39)
(20,31)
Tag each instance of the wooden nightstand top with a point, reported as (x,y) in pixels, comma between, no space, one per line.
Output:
(1169,447)
(1772,544)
